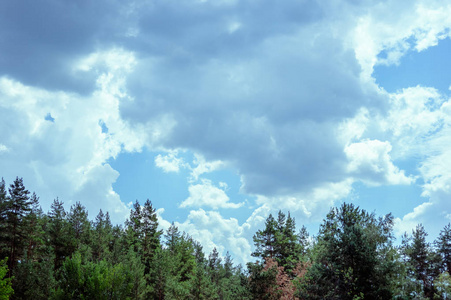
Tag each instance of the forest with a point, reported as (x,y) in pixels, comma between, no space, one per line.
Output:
(64,255)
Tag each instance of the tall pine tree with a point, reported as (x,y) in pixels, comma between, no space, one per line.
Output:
(18,206)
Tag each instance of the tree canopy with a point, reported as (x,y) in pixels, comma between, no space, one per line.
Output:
(64,255)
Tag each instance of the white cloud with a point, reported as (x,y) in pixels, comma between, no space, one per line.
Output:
(284,96)
(201,166)
(388,26)
(170,162)
(415,114)
(310,206)
(412,219)
(420,123)
(67,158)
(369,161)
(352,129)
(206,194)
(212,230)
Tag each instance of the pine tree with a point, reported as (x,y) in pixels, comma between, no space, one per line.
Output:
(289,249)
(102,236)
(79,224)
(4,249)
(18,206)
(151,234)
(265,240)
(350,258)
(423,263)
(262,280)
(182,264)
(443,244)
(214,266)
(150,243)
(59,233)
(279,241)
(172,238)
(34,276)
(160,272)
(134,228)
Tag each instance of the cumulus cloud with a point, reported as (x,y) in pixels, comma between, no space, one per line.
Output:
(206,194)
(281,91)
(384,30)
(201,166)
(415,114)
(170,162)
(214,231)
(66,158)
(370,162)
(420,122)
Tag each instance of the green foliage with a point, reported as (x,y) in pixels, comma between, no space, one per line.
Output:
(422,263)
(351,258)
(34,280)
(6,289)
(135,276)
(16,208)
(80,226)
(279,241)
(181,262)
(443,245)
(102,235)
(91,280)
(443,286)
(59,235)
(62,255)
(261,281)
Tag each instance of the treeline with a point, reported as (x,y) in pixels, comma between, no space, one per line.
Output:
(352,257)
(63,255)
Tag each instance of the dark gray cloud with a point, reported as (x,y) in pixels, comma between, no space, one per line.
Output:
(260,85)
(268,104)
(40,41)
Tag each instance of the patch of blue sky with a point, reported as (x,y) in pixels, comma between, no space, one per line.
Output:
(141,179)
(103,126)
(395,199)
(425,68)
(409,165)
(49,117)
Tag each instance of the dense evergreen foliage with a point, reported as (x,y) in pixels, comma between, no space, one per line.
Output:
(64,255)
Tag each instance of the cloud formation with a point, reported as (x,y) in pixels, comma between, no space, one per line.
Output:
(205,194)
(282,92)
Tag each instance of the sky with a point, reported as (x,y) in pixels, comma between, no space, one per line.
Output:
(223,112)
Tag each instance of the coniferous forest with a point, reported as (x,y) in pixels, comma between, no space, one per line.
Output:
(63,255)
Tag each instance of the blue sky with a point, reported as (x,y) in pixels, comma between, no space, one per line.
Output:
(222,112)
